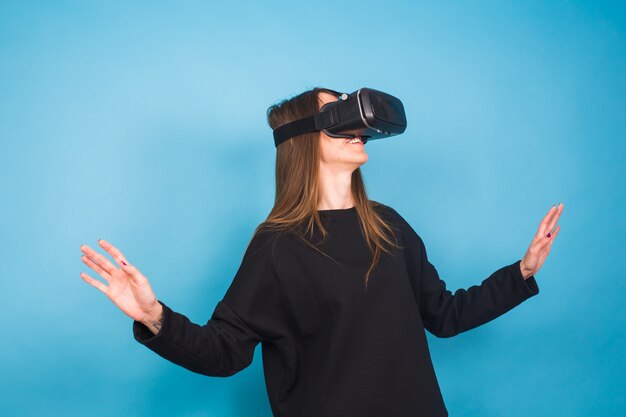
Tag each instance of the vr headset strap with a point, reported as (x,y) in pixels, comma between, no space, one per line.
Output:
(315,123)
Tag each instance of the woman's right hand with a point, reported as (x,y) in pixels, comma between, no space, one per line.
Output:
(129,290)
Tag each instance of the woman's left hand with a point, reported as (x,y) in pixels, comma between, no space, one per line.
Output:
(540,246)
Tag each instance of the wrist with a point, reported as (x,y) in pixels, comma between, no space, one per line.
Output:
(154,319)
(525,272)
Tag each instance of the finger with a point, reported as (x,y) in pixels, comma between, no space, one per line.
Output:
(94,282)
(104,274)
(554,219)
(102,261)
(554,235)
(542,226)
(113,251)
(548,221)
(133,272)
(542,242)
(545,221)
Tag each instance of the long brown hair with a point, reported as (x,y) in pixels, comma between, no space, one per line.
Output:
(297,183)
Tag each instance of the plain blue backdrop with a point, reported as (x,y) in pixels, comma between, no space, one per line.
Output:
(143,123)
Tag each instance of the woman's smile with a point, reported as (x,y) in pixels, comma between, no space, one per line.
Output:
(355,141)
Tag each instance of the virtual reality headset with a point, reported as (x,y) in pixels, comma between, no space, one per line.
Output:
(366,113)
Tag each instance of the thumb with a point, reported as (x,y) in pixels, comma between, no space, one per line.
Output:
(130,269)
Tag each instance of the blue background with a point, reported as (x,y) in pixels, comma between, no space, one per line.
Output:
(144,124)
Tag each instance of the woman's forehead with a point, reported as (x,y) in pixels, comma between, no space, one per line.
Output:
(324,97)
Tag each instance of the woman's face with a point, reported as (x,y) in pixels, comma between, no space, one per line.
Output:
(338,152)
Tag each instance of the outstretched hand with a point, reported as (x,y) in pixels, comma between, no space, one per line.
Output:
(540,246)
(128,288)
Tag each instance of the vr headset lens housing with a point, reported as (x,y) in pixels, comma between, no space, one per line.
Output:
(368,113)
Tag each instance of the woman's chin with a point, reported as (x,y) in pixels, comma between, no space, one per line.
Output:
(362,161)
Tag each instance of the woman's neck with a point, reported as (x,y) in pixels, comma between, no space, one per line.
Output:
(335,191)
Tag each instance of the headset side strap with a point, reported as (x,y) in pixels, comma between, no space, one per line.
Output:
(309,124)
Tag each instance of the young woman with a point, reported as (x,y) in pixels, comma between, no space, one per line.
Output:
(337,288)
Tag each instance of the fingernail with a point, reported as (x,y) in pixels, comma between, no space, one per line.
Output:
(124,262)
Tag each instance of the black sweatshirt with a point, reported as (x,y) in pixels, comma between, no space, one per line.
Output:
(331,347)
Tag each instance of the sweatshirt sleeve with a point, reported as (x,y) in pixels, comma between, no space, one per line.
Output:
(245,316)
(445,314)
